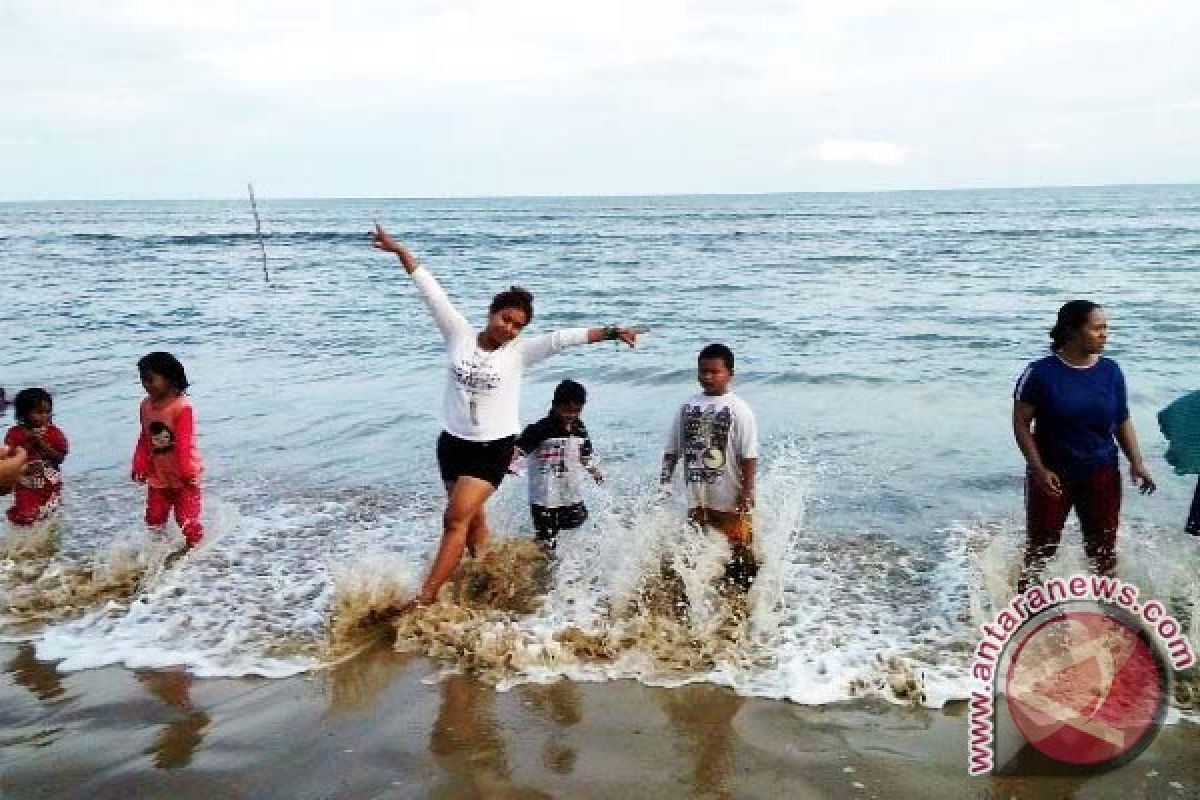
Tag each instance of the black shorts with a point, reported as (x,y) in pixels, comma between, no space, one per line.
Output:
(487,461)
(549,521)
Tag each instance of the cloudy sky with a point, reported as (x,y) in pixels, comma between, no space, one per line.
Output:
(420,98)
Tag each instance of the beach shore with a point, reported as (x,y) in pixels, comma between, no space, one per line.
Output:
(381,725)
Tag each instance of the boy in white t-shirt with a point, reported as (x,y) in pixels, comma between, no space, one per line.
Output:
(717,437)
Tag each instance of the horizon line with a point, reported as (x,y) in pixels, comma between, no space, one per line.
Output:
(592,196)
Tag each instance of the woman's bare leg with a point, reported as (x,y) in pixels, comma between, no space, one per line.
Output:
(467,498)
(478,533)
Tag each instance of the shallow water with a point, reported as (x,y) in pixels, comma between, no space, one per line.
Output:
(878,337)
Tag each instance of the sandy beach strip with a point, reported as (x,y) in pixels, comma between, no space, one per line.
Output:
(381,726)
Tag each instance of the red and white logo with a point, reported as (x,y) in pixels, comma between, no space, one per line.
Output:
(1085,688)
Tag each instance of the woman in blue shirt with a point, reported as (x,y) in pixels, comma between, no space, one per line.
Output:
(1069,416)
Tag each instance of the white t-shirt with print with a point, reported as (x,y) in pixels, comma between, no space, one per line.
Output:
(556,456)
(710,435)
(483,387)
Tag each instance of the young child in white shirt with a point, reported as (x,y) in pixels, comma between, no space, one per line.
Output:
(558,450)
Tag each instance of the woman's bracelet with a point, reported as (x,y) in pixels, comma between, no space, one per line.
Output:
(610,332)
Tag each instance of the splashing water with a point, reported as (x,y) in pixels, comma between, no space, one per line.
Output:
(37,586)
(293,586)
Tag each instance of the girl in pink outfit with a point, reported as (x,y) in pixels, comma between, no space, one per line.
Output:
(166,458)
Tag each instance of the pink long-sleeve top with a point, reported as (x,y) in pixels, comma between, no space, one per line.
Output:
(166,450)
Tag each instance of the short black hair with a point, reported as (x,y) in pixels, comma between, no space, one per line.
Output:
(717,350)
(517,297)
(1071,319)
(165,364)
(28,400)
(569,391)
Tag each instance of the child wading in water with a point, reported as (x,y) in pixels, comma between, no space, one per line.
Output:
(39,487)
(558,446)
(166,458)
(717,436)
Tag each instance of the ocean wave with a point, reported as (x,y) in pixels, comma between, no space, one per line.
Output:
(214,238)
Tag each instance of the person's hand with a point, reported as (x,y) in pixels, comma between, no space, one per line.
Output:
(745,501)
(382,240)
(190,481)
(596,474)
(12,461)
(137,477)
(1141,478)
(628,336)
(1047,482)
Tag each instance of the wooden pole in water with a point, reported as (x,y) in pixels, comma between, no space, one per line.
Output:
(258,229)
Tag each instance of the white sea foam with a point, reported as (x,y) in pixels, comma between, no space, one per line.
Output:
(253,599)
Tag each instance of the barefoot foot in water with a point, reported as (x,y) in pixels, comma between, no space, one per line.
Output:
(180,553)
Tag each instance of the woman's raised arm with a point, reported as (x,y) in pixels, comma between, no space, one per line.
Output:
(448,318)
(536,348)
(382,240)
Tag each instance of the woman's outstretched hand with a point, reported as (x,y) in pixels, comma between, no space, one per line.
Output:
(382,240)
(628,336)
(613,333)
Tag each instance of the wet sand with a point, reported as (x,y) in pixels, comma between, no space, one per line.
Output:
(379,726)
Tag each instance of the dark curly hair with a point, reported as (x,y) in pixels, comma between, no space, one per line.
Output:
(165,364)
(717,350)
(28,400)
(517,297)
(569,391)
(1072,317)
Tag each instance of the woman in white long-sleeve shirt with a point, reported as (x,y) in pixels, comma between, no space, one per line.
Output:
(480,405)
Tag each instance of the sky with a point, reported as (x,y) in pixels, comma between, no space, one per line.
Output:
(431,98)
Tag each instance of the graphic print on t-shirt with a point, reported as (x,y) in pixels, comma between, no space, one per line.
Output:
(552,457)
(705,439)
(477,376)
(557,454)
(162,439)
(38,473)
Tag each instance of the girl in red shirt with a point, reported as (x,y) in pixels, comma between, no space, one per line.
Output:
(39,487)
(166,458)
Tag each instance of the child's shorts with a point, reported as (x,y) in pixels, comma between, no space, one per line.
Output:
(549,521)
(737,526)
(487,461)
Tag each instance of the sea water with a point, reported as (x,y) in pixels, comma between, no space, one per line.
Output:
(878,338)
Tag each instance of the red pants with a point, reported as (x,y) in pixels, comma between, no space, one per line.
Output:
(30,505)
(1096,499)
(186,501)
